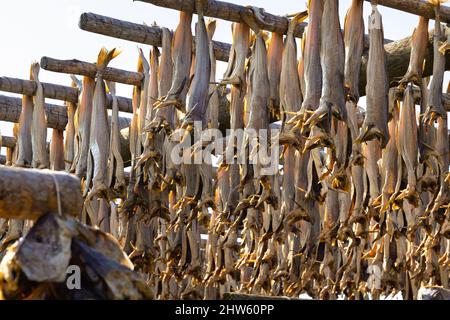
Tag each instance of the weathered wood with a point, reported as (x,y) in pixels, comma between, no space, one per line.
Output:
(29,193)
(28,88)
(8,142)
(137,32)
(55,91)
(10,109)
(418,7)
(90,70)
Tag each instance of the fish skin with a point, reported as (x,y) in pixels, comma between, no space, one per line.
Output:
(69,143)
(83,127)
(354,46)
(389,159)
(238,55)
(418,52)
(408,140)
(57,150)
(241,45)
(377,88)
(442,148)
(435,108)
(39,123)
(311,57)
(165,78)
(24,149)
(99,140)
(182,59)
(274,62)
(197,100)
(372,153)
(149,93)
(332,56)
(116,174)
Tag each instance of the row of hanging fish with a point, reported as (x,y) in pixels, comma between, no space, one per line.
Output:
(359,207)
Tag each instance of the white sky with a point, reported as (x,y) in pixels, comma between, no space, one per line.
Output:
(32,29)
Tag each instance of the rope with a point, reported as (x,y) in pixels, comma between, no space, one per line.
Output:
(58,193)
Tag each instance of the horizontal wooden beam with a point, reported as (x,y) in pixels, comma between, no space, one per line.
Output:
(28,88)
(90,70)
(11,107)
(418,7)
(55,91)
(19,187)
(8,142)
(139,33)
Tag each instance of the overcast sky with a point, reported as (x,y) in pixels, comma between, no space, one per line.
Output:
(32,29)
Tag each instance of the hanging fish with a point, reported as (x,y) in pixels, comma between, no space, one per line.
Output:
(332,55)
(377,88)
(24,149)
(69,142)
(408,144)
(83,128)
(198,98)
(418,52)
(116,174)
(435,108)
(274,62)
(182,57)
(57,150)
(99,139)
(354,45)
(164,116)
(39,124)
(311,59)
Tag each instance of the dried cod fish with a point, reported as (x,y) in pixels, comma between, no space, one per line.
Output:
(39,123)
(57,150)
(274,62)
(332,55)
(182,58)
(99,139)
(83,128)
(354,45)
(116,174)
(24,149)
(377,88)
(198,97)
(69,143)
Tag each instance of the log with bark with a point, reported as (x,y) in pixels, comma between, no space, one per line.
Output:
(29,193)
(57,92)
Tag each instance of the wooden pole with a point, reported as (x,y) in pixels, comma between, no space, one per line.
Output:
(232,12)
(8,142)
(90,70)
(137,32)
(29,193)
(55,91)
(418,7)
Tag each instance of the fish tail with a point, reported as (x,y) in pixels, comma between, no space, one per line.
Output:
(143,65)
(105,57)
(211,25)
(298,18)
(34,71)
